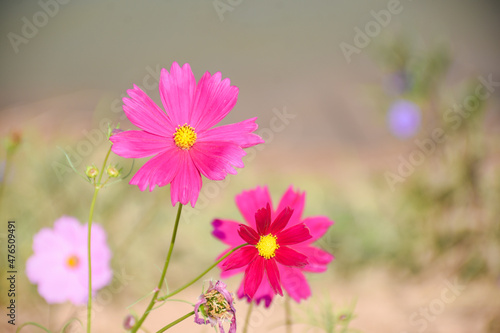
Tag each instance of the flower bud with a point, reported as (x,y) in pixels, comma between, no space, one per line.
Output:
(92,172)
(129,322)
(112,171)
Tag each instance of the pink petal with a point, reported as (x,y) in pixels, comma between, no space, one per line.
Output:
(138,144)
(317,258)
(239,133)
(248,234)
(145,114)
(216,159)
(274,276)
(177,90)
(289,257)
(253,276)
(295,200)
(160,170)
(281,221)
(264,293)
(295,283)
(213,100)
(249,202)
(263,220)
(240,257)
(293,235)
(318,226)
(186,185)
(227,231)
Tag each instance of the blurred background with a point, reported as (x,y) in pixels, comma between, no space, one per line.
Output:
(385,112)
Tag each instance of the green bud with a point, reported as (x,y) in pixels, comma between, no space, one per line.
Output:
(112,171)
(92,172)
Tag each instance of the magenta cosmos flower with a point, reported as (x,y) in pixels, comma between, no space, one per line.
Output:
(183,141)
(216,307)
(59,265)
(291,277)
(270,246)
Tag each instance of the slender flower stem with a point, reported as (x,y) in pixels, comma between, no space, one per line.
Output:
(288,315)
(247,319)
(160,283)
(89,256)
(175,322)
(201,275)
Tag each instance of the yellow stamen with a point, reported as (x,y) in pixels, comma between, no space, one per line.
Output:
(73,261)
(184,136)
(267,246)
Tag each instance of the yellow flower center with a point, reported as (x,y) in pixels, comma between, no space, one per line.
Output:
(184,136)
(267,246)
(73,261)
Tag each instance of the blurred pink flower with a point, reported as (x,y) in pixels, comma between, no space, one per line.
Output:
(216,306)
(292,278)
(182,140)
(59,265)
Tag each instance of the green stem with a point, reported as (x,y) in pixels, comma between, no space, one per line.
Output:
(89,302)
(5,173)
(175,322)
(160,283)
(288,315)
(247,318)
(89,238)
(201,275)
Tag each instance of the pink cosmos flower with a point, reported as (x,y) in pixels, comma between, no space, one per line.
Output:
(216,306)
(59,264)
(183,141)
(292,278)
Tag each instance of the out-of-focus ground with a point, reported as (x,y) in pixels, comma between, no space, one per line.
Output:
(397,251)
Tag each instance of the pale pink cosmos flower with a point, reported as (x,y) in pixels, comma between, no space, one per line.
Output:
(182,140)
(59,264)
(292,278)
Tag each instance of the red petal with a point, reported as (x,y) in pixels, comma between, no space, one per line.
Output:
(296,234)
(263,220)
(274,276)
(281,221)
(253,276)
(248,234)
(240,258)
(289,257)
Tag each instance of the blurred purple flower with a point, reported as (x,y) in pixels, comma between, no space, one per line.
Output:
(59,264)
(397,83)
(216,306)
(404,119)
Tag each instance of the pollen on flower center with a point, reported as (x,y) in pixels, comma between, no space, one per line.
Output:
(73,261)
(184,136)
(267,246)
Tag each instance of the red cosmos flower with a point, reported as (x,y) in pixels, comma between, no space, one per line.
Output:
(269,246)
